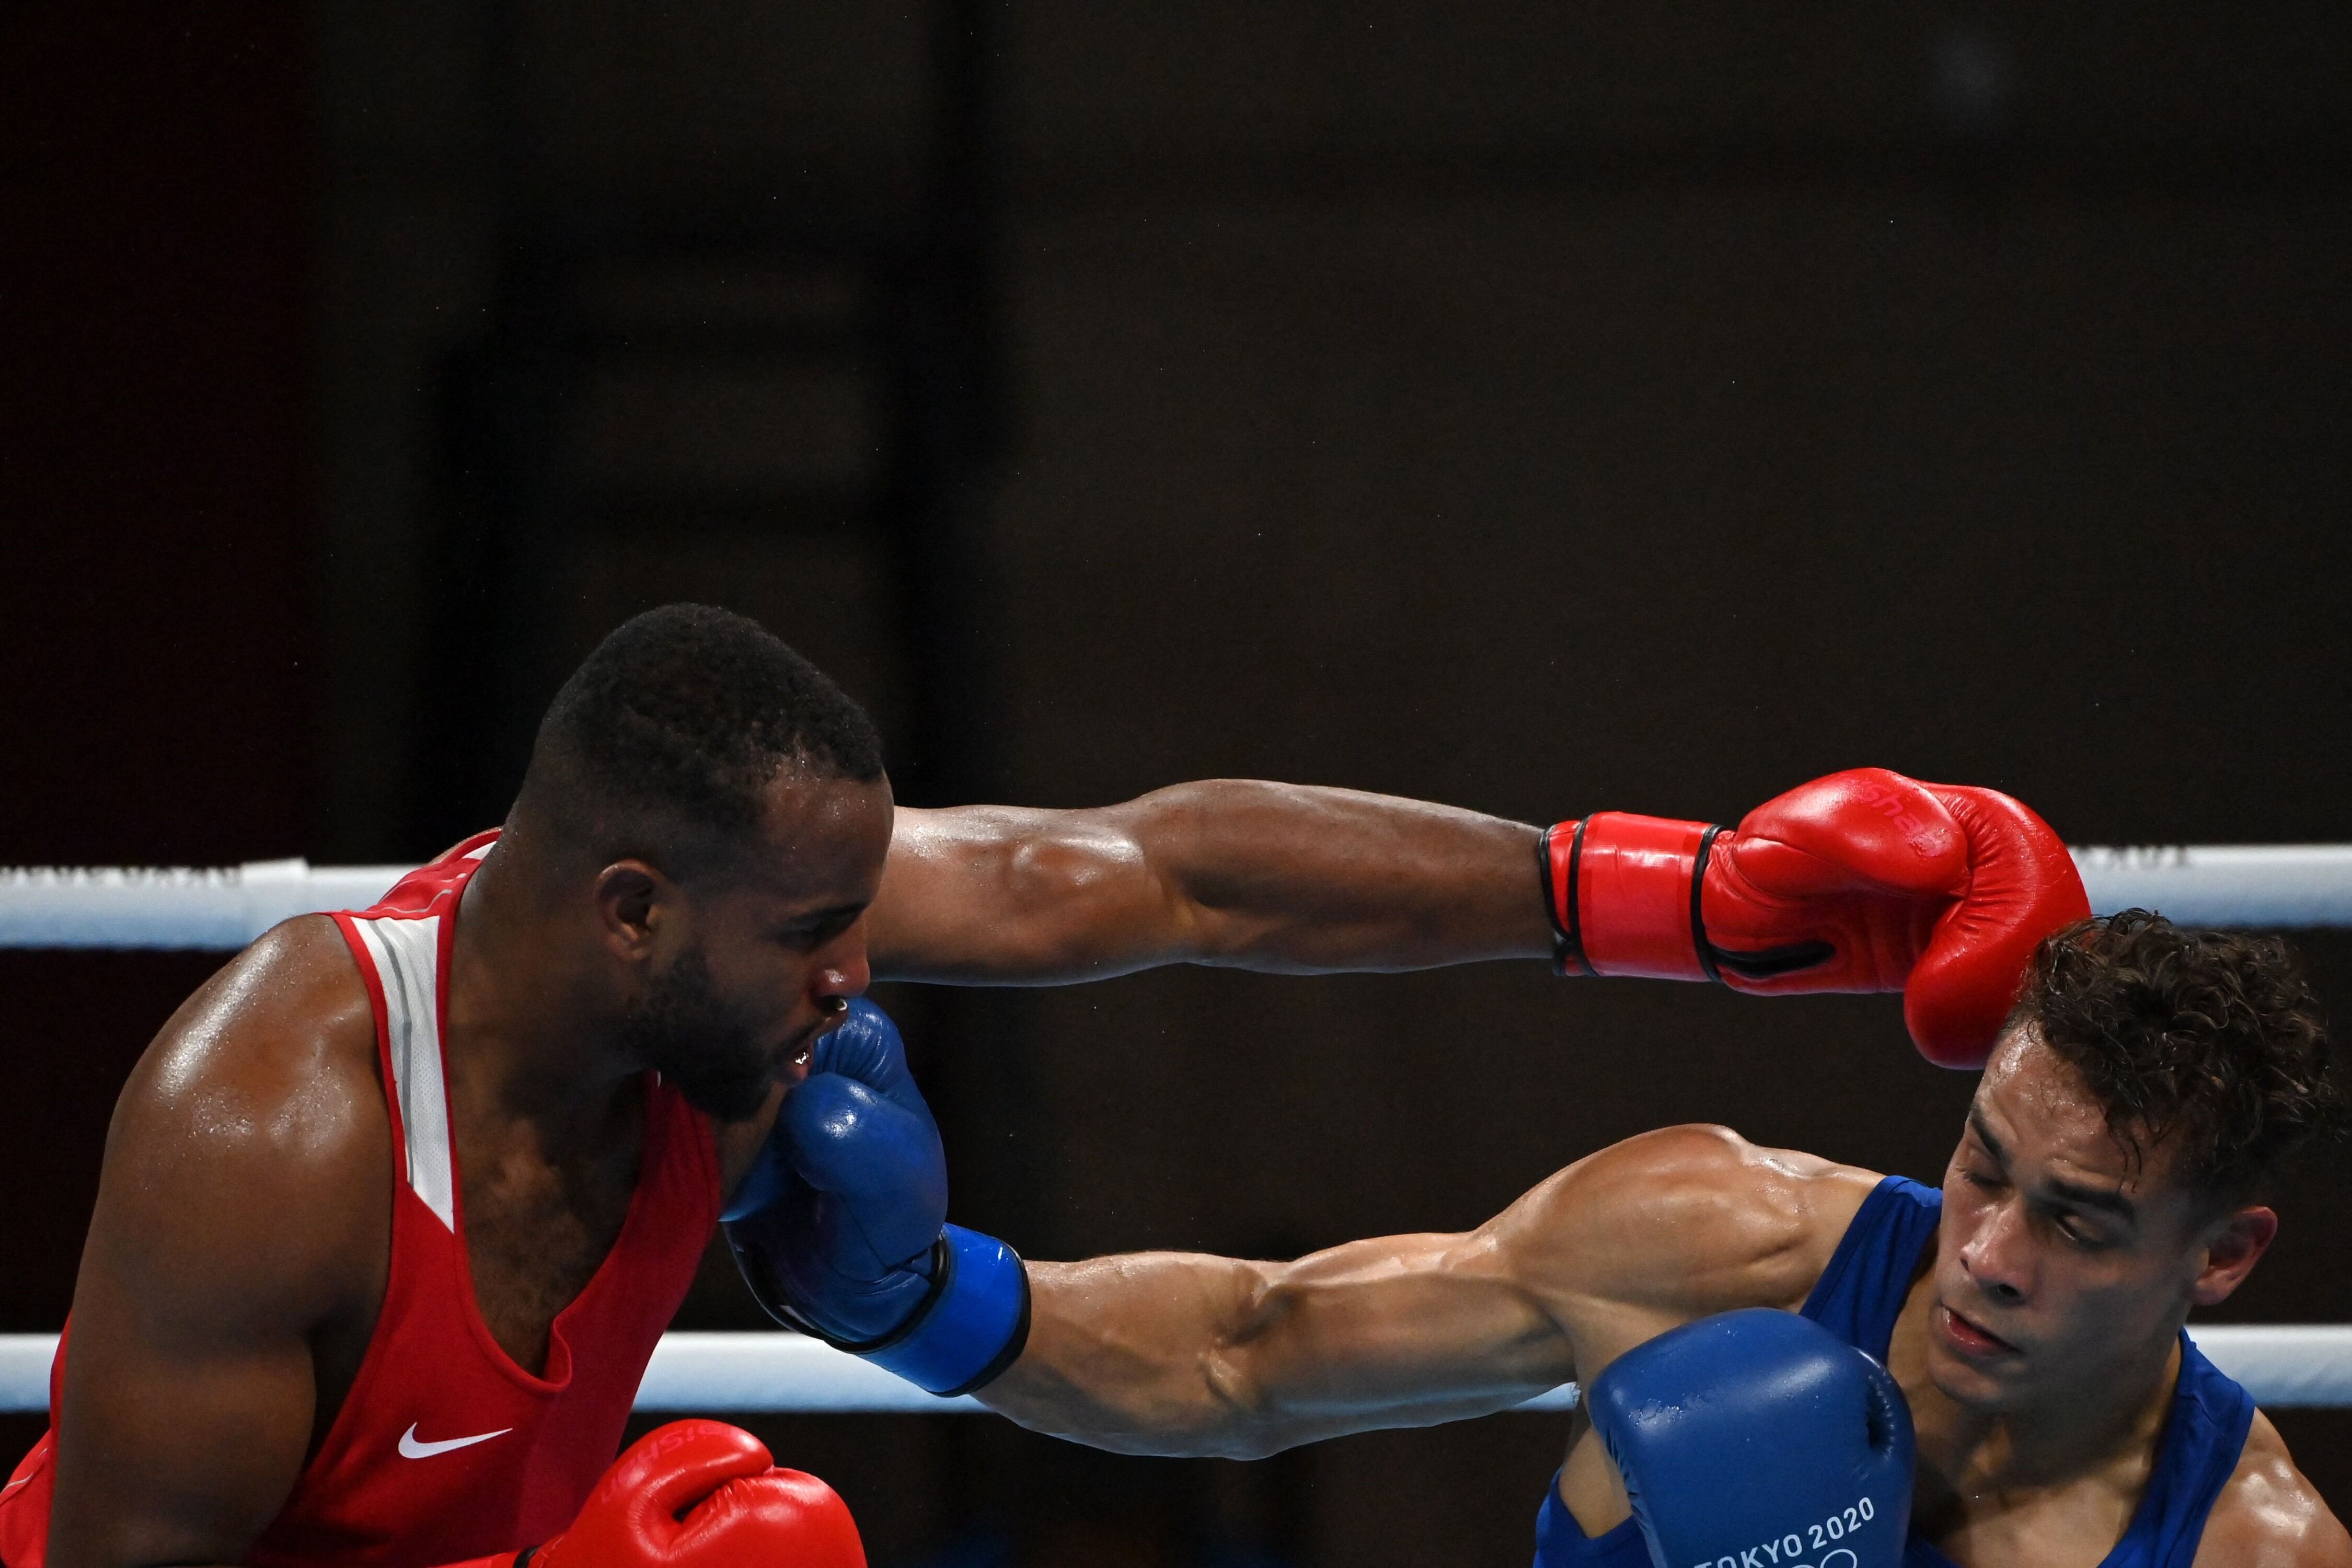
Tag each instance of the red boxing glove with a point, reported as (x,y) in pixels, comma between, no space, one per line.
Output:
(699,1494)
(1865,881)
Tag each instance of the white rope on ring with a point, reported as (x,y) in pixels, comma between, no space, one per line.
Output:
(2287,885)
(2288,1365)
(220,908)
(223,908)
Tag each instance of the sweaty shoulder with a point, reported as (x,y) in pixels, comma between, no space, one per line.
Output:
(2269,1516)
(253,1130)
(1678,1224)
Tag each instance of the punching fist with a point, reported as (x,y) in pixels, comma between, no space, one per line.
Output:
(699,1494)
(1864,880)
(851,1189)
(840,1226)
(1759,1436)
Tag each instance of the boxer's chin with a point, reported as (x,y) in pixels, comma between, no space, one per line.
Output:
(1965,1385)
(682,1030)
(1971,1378)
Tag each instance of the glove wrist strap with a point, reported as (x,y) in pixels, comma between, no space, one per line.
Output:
(1625,896)
(1557,850)
(972,1325)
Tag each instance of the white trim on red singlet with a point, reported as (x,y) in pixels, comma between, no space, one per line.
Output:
(407,955)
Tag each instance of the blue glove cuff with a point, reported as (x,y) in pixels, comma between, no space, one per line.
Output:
(972,1325)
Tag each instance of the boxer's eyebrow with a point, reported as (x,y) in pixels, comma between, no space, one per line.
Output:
(2108,1200)
(833,914)
(1984,1136)
(849,910)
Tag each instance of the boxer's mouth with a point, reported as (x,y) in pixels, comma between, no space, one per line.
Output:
(802,1052)
(1969,1339)
(797,1057)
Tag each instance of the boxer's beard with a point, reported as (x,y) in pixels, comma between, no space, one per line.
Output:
(682,1029)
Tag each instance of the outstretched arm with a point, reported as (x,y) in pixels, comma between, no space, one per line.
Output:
(1863,880)
(1178,1354)
(1234,872)
(1173,1354)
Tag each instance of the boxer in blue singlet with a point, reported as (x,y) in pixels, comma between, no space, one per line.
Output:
(1859,1297)
(2140,1102)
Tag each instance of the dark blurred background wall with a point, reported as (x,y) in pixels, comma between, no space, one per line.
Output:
(159,532)
(1535,408)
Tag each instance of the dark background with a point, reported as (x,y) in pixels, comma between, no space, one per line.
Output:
(1541,408)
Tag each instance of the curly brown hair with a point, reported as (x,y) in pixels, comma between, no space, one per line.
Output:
(2208,1041)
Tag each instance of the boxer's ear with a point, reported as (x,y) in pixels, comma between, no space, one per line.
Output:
(2233,1247)
(633,901)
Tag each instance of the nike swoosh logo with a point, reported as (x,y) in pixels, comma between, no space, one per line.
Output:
(410,1448)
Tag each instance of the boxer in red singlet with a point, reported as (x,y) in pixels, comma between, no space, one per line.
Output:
(385,1482)
(395,1206)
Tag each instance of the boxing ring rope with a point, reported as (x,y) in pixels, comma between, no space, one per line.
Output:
(2285,1366)
(217,908)
(221,909)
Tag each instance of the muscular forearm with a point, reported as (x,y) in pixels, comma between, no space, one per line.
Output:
(1230,872)
(1291,877)
(1179,1353)
(1135,1353)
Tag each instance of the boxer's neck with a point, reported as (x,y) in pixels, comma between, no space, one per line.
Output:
(532,1031)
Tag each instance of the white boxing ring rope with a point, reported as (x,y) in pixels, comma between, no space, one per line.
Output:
(2256,885)
(2285,1366)
(221,909)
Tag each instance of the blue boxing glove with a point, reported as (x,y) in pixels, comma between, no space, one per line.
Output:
(1759,1436)
(840,1227)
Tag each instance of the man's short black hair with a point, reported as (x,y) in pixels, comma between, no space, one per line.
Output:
(685,714)
(2210,1041)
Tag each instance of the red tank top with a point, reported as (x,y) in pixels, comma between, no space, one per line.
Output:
(443,1448)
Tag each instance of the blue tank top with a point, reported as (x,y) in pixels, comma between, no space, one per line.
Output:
(1858,1298)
